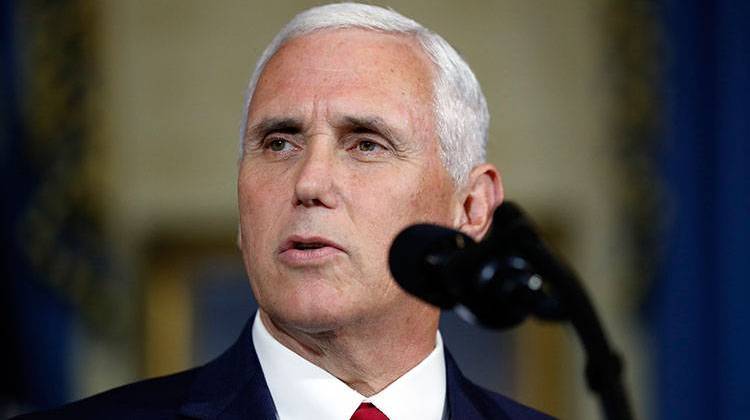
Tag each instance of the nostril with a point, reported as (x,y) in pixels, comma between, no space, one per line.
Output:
(314,183)
(315,202)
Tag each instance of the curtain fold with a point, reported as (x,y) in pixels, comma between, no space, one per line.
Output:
(700,310)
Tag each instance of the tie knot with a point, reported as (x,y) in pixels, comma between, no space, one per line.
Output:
(367,411)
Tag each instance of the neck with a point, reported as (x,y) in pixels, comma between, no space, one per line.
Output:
(367,355)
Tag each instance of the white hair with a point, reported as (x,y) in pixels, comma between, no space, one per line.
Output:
(461,115)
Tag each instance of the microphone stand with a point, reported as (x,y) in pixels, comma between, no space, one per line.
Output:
(603,366)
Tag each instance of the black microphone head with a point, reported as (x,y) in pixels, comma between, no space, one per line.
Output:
(419,254)
(508,212)
(509,224)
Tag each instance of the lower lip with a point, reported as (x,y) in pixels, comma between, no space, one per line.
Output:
(306,257)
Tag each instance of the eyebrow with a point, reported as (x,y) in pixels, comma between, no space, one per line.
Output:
(362,124)
(372,124)
(270,125)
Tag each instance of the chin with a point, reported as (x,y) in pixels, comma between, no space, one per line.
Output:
(313,309)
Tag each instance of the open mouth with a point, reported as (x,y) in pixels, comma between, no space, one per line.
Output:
(303,246)
(299,251)
(308,243)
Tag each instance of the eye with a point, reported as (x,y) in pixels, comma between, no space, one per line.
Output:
(278,145)
(364,148)
(367,146)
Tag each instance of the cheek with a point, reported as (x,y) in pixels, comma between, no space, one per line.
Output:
(257,213)
(431,199)
(385,211)
(259,194)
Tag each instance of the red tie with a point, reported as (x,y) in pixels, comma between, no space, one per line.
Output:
(367,411)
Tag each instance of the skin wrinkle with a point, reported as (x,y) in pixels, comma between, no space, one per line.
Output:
(346,313)
(346,127)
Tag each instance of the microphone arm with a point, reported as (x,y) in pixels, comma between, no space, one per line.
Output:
(603,365)
(501,280)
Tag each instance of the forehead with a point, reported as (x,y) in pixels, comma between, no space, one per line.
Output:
(360,66)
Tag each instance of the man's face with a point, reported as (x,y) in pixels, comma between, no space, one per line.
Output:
(341,154)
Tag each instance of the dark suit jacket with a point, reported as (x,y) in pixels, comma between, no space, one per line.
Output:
(233,387)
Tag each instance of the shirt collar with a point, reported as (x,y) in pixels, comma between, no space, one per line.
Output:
(300,388)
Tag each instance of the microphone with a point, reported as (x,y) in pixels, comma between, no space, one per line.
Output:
(501,280)
(491,282)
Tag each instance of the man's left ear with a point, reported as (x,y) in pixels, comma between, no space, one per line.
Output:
(483,192)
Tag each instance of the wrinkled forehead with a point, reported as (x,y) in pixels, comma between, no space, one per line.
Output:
(350,57)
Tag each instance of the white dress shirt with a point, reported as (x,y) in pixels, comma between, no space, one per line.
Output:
(302,391)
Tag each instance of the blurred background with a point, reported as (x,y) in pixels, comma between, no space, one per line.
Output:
(621,126)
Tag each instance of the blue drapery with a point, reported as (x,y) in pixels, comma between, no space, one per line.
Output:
(701,304)
(34,321)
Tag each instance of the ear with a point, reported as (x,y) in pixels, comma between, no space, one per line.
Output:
(483,193)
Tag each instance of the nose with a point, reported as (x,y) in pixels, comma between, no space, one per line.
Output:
(315,183)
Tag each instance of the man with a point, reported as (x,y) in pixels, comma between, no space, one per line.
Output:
(358,122)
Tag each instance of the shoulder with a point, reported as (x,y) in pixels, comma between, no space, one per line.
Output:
(470,401)
(488,402)
(157,398)
(234,380)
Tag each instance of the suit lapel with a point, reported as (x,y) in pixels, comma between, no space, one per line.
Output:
(231,386)
(467,401)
